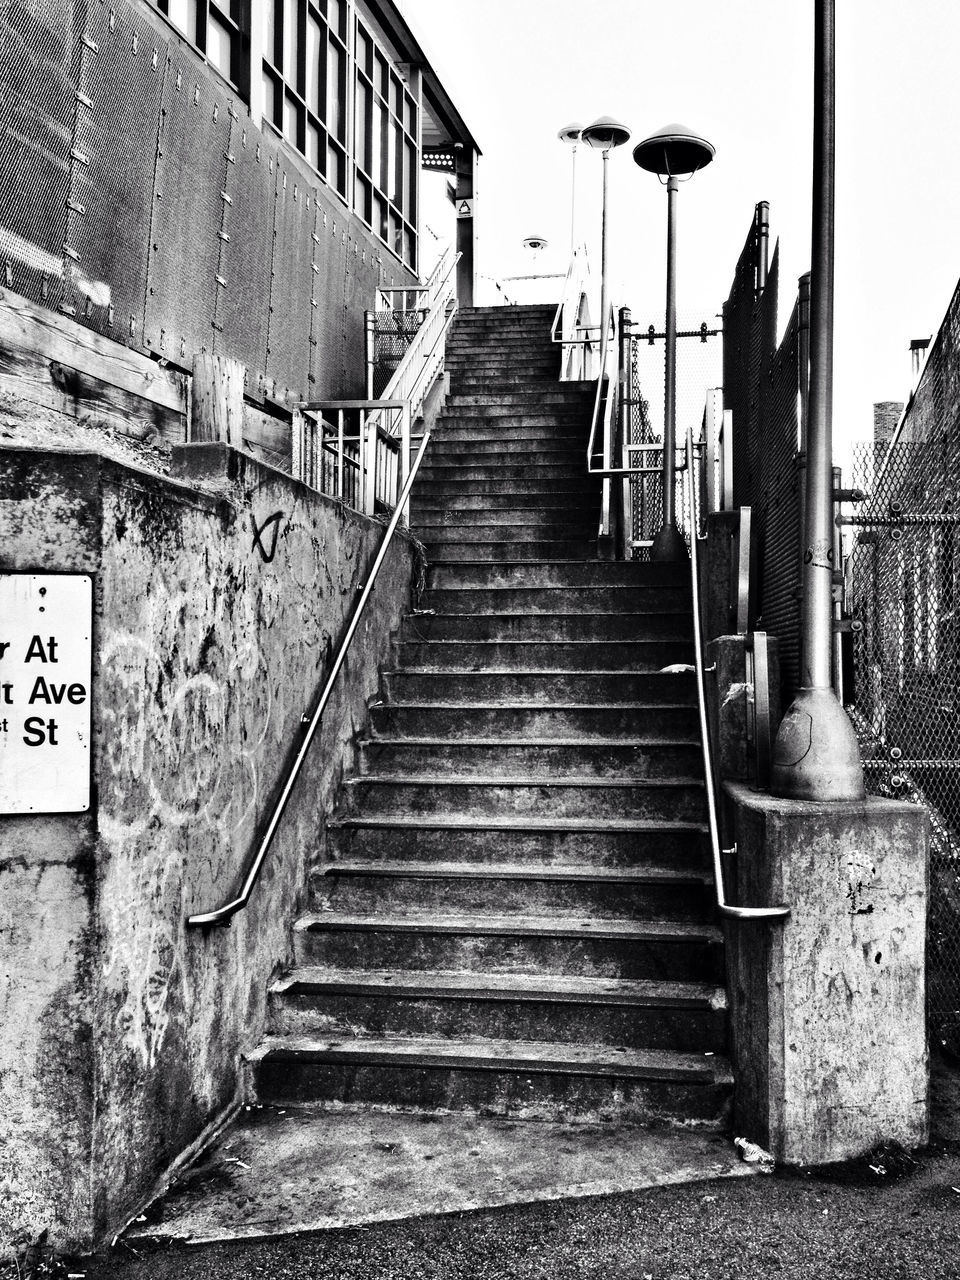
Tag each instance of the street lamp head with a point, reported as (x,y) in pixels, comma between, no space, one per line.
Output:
(570,133)
(605,133)
(673,151)
(535,243)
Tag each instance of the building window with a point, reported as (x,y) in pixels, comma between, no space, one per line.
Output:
(305,81)
(213,27)
(386,154)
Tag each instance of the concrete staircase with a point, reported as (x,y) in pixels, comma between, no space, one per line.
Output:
(518,916)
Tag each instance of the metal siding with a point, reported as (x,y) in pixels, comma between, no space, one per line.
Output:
(188,212)
(38,52)
(117,133)
(291,284)
(243,302)
(330,257)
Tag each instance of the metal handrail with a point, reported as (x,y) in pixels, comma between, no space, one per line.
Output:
(223,915)
(565,333)
(725,909)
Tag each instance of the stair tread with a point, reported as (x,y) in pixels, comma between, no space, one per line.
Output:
(588,781)
(512,1055)
(529,742)
(486,924)
(493,822)
(571,872)
(534,986)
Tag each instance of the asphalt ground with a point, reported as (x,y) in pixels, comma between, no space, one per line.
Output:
(891,1216)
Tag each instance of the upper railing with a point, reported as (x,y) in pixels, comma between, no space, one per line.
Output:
(572,328)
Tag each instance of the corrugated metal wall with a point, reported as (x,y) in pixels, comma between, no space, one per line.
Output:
(761,384)
(136,194)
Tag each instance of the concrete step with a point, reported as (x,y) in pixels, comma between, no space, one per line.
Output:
(430,502)
(547,655)
(476,795)
(454,550)
(464,452)
(534,1080)
(582,494)
(558,573)
(608,722)
(549,626)
(514,422)
(532,688)
(555,599)
(488,434)
(528,412)
(566,470)
(648,757)
(464,888)
(323,1001)
(470,531)
(551,842)
(674,950)
(558,394)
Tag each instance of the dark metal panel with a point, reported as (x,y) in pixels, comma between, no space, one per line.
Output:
(330,259)
(291,284)
(188,205)
(121,77)
(243,299)
(38,58)
(362,275)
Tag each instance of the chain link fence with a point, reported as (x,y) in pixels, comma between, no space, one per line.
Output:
(699,367)
(903,591)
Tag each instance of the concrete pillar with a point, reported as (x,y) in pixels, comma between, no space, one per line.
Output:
(828,1016)
(466,165)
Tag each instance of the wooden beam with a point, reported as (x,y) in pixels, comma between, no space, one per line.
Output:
(216,401)
(28,329)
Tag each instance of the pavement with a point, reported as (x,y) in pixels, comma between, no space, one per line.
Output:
(893,1215)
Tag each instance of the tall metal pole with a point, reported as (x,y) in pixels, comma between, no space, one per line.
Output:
(669,544)
(605,548)
(604,298)
(816,756)
(573,202)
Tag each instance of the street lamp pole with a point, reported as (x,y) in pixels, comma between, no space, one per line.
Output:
(671,152)
(816,755)
(604,134)
(570,134)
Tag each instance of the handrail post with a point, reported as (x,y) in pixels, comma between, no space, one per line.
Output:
(368,446)
(370,343)
(404,460)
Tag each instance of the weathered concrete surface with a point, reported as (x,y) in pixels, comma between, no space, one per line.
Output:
(827,1009)
(217,606)
(291,1170)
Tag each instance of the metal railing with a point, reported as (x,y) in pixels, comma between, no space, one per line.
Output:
(725,908)
(224,914)
(412,345)
(357,451)
(572,329)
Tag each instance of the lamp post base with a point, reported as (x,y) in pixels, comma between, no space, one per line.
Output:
(816,755)
(669,545)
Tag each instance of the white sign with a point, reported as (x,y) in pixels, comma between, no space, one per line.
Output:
(46,624)
(465,208)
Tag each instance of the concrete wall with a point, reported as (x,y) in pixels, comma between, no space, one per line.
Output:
(217,605)
(828,1007)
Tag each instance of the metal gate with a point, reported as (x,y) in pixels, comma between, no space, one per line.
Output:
(903,592)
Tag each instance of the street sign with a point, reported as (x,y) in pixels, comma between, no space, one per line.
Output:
(465,208)
(46,629)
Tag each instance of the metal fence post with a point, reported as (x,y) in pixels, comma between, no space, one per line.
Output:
(816,755)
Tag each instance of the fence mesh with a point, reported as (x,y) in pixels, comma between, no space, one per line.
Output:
(393,332)
(699,367)
(904,584)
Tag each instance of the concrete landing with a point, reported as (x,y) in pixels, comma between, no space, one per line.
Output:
(284,1170)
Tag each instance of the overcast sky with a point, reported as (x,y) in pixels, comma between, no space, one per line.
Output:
(740,73)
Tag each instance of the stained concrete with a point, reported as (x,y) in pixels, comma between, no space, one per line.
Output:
(218,604)
(279,1171)
(828,1007)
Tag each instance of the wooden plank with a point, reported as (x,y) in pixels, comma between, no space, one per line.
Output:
(216,401)
(28,378)
(268,438)
(27,328)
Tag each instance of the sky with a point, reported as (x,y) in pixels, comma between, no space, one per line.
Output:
(739,73)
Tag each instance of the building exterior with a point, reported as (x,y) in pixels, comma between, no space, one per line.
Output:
(186,176)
